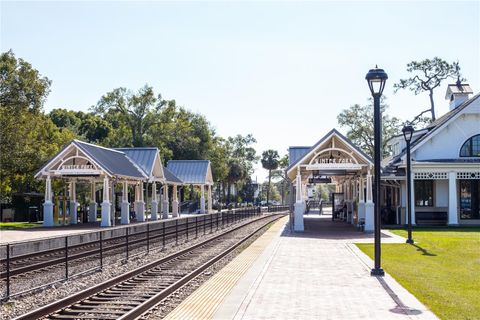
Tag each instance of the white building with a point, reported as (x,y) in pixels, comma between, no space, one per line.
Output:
(445,159)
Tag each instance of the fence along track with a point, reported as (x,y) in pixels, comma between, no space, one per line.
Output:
(133,293)
(30,265)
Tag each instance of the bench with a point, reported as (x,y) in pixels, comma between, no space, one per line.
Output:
(431,218)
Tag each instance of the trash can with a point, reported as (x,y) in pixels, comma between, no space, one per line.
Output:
(33,214)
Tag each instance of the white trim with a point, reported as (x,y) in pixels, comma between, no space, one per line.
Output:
(97,146)
(327,140)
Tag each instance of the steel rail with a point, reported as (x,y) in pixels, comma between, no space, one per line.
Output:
(60,252)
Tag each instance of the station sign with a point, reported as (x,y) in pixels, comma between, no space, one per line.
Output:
(317,179)
(81,168)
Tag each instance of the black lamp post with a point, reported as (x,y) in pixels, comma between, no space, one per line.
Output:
(407,134)
(376,79)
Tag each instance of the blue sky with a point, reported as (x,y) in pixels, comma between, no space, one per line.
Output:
(279,70)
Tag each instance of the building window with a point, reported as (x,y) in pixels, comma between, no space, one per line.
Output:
(471,147)
(470,199)
(424,193)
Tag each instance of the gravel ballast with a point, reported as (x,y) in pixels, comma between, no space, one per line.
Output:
(23,304)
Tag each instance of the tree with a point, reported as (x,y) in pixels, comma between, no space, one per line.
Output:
(236,172)
(428,75)
(359,121)
(137,110)
(22,88)
(270,161)
(86,126)
(28,137)
(272,191)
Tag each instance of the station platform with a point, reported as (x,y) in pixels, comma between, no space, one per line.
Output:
(40,232)
(316,274)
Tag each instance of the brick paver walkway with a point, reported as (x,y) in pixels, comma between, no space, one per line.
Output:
(311,275)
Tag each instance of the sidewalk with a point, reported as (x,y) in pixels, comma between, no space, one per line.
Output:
(311,275)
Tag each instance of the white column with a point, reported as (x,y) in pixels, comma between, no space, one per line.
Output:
(92,208)
(299,208)
(174,201)
(369,206)
(412,194)
(154,208)
(106,206)
(361,202)
(165,202)
(403,202)
(210,203)
(48,204)
(452,199)
(354,198)
(125,212)
(140,204)
(73,203)
(202,199)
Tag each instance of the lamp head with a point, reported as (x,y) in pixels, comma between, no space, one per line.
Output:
(376,79)
(408,132)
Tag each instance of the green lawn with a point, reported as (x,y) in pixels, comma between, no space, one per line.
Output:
(18,225)
(442,269)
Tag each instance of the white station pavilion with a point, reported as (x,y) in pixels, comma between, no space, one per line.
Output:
(137,169)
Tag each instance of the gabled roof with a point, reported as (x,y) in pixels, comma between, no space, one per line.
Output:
(143,157)
(325,137)
(435,126)
(191,171)
(295,153)
(170,177)
(113,161)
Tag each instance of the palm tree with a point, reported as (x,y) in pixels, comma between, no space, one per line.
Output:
(270,161)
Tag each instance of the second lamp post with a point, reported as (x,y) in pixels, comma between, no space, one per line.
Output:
(376,79)
(407,134)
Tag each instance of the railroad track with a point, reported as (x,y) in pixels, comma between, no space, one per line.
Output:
(130,295)
(44,261)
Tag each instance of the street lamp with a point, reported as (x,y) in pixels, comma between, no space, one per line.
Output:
(376,79)
(407,134)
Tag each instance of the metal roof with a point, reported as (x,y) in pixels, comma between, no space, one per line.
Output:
(190,171)
(170,177)
(143,157)
(113,161)
(295,153)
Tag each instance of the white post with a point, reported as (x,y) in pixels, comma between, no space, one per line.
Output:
(354,198)
(202,199)
(452,199)
(299,204)
(369,206)
(412,194)
(73,203)
(154,208)
(48,204)
(140,204)
(361,201)
(125,212)
(174,202)
(165,202)
(92,208)
(209,195)
(106,222)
